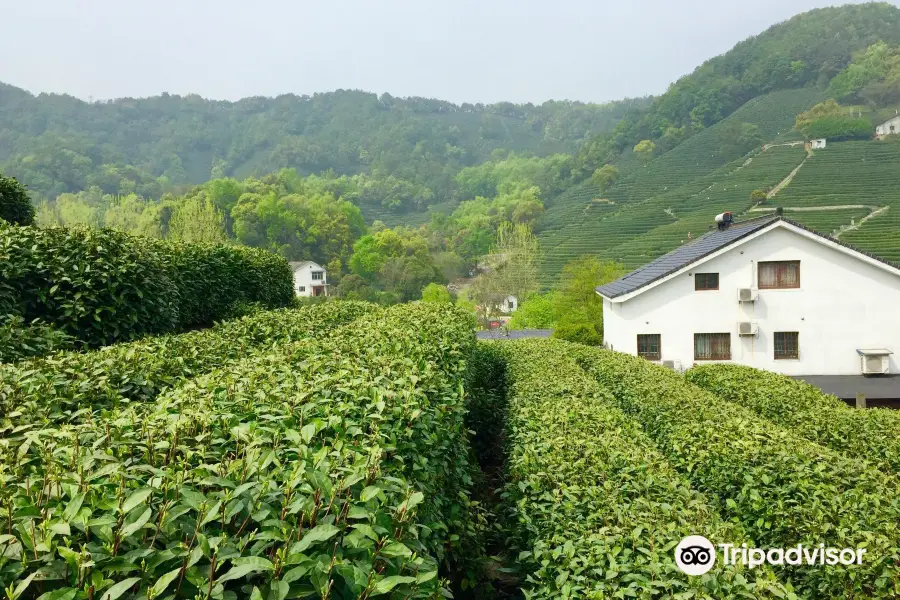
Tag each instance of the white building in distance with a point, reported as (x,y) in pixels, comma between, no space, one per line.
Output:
(767,293)
(889,127)
(310,279)
(509,305)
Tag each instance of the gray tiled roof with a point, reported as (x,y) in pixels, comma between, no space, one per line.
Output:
(683,256)
(704,245)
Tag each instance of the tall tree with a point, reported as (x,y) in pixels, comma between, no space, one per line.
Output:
(197,220)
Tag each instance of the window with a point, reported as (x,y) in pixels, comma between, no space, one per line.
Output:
(706,281)
(782,274)
(712,346)
(302,288)
(317,275)
(648,346)
(787,344)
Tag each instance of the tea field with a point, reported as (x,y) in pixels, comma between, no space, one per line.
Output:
(337,451)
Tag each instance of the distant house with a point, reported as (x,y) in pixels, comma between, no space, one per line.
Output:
(767,293)
(509,305)
(816,144)
(889,127)
(310,279)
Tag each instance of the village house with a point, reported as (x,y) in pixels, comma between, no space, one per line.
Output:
(509,305)
(767,293)
(889,127)
(310,279)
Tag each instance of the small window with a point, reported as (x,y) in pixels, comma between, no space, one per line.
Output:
(712,346)
(787,344)
(302,288)
(317,275)
(706,281)
(779,275)
(648,346)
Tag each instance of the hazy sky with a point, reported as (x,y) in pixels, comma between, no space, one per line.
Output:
(459,50)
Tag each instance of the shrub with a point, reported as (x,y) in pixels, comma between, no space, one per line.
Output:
(100,287)
(19,339)
(840,128)
(72,386)
(595,510)
(581,333)
(333,468)
(435,292)
(782,489)
(15,205)
(872,435)
(212,277)
(103,287)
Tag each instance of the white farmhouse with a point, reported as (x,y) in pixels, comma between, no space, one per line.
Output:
(767,293)
(817,144)
(310,279)
(509,305)
(889,127)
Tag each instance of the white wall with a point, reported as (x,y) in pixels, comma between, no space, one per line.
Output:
(885,128)
(303,278)
(843,304)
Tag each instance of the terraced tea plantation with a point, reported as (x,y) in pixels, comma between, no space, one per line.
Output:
(638,232)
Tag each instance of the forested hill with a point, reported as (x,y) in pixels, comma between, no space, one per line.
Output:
(57,143)
(807,50)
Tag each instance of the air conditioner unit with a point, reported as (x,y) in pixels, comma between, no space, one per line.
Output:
(675,365)
(875,361)
(746,295)
(747,328)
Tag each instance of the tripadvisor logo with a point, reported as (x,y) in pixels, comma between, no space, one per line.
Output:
(696,555)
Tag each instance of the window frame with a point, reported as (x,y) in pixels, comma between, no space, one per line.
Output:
(796,344)
(321,275)
(712,356)
(301,288)
(778,285)
(650,355)
(705,289)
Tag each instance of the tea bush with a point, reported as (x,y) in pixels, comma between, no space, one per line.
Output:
(103,287)
(782,489)
(74,386)
(595,509)
(19,339)
(211,278)
(872,435)
(326,468)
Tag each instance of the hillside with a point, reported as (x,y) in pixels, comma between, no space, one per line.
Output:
(56,143)
(672,186)
(805,51)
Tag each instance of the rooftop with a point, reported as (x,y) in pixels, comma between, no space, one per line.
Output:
(703,246)
(513,334)
(683,256)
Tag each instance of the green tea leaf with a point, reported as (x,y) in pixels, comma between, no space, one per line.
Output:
(119,588)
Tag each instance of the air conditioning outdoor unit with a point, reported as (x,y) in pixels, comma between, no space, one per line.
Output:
(747,328)
(746,295)
(675,365)
(875,361)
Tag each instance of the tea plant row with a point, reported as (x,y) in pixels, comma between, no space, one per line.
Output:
(871,435)
(330,468)
(782,489)
(72,387)
(594,509)
(103,287)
